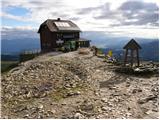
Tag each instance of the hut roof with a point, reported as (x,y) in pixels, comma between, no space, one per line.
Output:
(132,44)
(58,25)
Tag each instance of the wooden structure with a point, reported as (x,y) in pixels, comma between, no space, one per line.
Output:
(81,42)
(54,33)
(134,47)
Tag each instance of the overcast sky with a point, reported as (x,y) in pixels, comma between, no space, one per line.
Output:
(137,18)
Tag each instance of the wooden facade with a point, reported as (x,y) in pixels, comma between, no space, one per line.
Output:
(55,33)
(133,47)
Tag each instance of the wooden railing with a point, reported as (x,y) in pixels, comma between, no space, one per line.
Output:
(28,55)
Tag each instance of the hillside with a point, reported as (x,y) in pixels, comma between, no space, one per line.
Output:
(71,85)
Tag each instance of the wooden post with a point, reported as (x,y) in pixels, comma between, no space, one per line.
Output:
(132,57)
(96,50)
(137,57)
(125,59)
(134,47)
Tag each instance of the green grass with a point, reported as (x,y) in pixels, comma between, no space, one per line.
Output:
(26,57)
(8,65)
(61,93)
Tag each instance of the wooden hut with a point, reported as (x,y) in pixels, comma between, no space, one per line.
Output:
(134,47)
(54,33)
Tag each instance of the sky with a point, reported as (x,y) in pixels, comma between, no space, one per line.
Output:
(131,18)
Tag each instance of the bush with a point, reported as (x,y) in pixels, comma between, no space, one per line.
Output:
(28,55)
(8,65)
(100,51)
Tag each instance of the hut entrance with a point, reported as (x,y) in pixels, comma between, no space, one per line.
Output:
(132,52)
(70,45)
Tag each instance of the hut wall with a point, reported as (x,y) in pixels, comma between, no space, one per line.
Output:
(46,38)
(67,35)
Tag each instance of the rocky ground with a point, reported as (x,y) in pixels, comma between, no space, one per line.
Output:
(77,86)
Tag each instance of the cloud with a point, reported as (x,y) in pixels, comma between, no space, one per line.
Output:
(138,5)
(144,13)
(88,10)
(132,13)
(18,32)
(142,19)
(67,9)
(95,15)
(14,17)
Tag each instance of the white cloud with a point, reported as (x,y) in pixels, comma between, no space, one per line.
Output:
(40,10)
(19,28)
(18,32)
(18,18)
(134,32)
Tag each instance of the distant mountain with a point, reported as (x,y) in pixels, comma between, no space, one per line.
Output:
(9,57)
(103,40)
(150,47)
(150,51)
(13,44)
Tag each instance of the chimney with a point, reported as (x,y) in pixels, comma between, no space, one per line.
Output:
(58,19)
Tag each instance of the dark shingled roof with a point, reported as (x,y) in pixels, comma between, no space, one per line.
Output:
(132,44)
(53,27)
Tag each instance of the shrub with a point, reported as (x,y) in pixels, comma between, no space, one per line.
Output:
(8,65)
(28,55)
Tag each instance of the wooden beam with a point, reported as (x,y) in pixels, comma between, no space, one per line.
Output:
(138,62)
(95,51)
(125,58)
(132,57)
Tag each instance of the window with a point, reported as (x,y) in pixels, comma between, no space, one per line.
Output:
(62,24)
(68,36)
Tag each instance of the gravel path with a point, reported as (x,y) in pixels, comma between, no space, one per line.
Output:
(71,85)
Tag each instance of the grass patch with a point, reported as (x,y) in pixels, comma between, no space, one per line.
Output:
(61,93)
(8,65)
(27,56)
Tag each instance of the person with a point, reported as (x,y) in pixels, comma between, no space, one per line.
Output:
(109,57)
(110,53)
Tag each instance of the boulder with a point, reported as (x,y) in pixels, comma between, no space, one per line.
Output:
(136,90)
(105,100)
(144,100)
(78,116)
